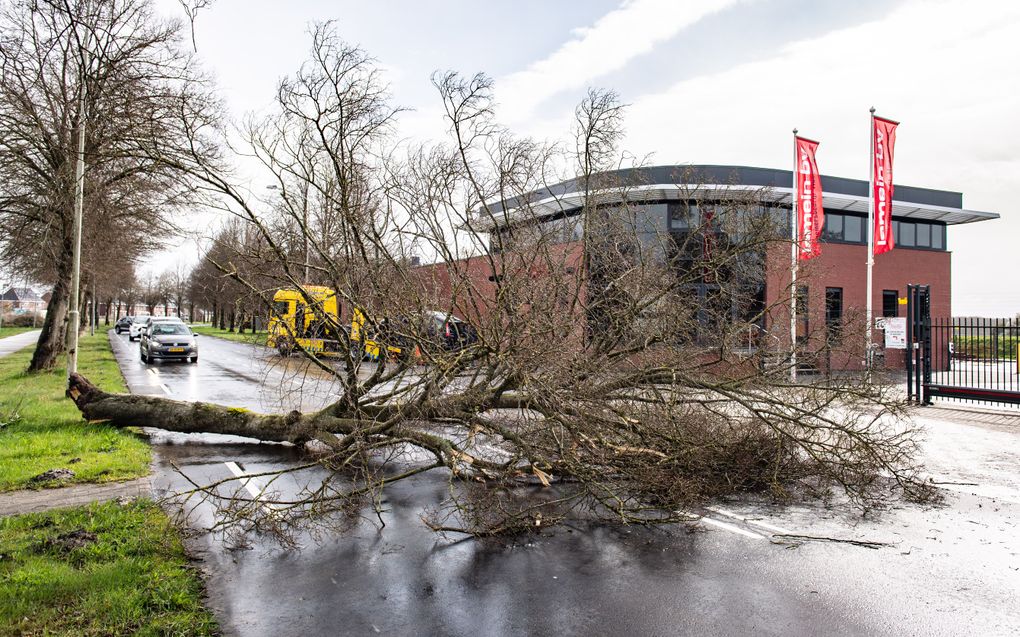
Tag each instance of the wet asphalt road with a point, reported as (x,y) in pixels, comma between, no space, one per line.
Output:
(947,570)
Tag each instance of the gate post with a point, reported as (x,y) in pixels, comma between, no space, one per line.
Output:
(925,307)
(910,343)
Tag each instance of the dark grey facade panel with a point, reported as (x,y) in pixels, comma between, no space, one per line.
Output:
(737,176)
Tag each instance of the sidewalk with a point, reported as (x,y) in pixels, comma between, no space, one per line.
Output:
(33,501)
(12,344)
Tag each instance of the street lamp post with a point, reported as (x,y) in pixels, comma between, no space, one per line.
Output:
(79,195)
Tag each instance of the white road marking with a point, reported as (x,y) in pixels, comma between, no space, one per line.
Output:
(166,389)
(236,470)
(732,529)
(764,525)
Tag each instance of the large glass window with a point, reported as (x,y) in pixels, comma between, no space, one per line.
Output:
(919,234)
(853,229)
(908,234)
(843,228)
(833,227)
(923,235)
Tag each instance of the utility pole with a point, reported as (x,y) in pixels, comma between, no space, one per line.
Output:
(79,195)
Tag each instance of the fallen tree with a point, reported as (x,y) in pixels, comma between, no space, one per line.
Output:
(620,366)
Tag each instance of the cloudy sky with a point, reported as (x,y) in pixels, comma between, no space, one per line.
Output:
(707,81)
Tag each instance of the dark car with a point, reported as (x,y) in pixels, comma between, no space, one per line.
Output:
(124,324)
(169,341)
(448,331)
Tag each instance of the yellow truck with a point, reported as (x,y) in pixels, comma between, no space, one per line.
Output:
(311,322)
(315,326)
(314,323)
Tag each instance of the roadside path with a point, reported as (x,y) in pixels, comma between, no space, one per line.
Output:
(33,501)
(12,344)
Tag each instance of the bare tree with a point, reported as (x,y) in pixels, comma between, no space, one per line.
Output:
(611,369)
(140,91)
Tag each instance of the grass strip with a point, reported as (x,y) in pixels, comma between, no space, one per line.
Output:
(13,331)
(40,429)
(258,338)
(103,569)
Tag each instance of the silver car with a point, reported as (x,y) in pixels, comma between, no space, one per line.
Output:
(168,340)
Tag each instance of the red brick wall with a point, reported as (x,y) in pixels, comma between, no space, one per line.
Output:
(844,266)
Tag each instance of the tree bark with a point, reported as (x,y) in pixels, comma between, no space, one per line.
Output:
(127,410)
(52,340)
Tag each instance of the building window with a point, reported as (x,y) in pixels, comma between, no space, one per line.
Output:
(833,228)
(833,312)
(843,228)
(853,229)
(919,234)
(890,303)
(802,314)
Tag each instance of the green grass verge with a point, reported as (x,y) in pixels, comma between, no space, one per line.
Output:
(258,338)
(11,331)
(134,579)
(42,429)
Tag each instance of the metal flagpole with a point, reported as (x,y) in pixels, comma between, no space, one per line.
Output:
(794,244)
(871,247)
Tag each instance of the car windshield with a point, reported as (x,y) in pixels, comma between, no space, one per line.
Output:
(169,328)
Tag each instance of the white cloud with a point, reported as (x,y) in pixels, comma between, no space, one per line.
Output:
(610,44)
(945,69)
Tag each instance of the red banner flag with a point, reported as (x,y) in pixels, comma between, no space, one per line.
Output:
(883,142)
(810,216)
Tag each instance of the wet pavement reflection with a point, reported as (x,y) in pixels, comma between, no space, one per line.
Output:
(953,569)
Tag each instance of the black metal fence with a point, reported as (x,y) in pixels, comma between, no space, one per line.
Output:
(975,359)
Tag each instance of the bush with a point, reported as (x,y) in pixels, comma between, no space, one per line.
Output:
(22,320)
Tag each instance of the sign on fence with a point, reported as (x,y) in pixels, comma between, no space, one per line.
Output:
(896,332)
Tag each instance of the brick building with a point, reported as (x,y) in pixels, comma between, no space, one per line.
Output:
(832,287)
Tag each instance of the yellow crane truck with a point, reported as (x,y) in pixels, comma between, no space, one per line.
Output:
(314,323)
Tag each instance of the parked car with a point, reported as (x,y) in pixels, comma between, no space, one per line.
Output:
(170,340)
(404,336)
(124,324)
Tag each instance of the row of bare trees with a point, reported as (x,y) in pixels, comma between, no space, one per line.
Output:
(139,89)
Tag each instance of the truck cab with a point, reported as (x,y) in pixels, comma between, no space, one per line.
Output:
(310,320)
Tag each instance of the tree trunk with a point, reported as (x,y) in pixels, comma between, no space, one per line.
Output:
(231,321)
(52,340)
(126,410)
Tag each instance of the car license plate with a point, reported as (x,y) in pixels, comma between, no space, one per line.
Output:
(176,349)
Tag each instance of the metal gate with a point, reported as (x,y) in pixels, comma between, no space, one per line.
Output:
(967,359)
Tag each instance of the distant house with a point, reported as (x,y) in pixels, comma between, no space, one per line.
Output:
(19,300)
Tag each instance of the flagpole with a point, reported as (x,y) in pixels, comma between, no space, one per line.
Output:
(793,265)
(871,248)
